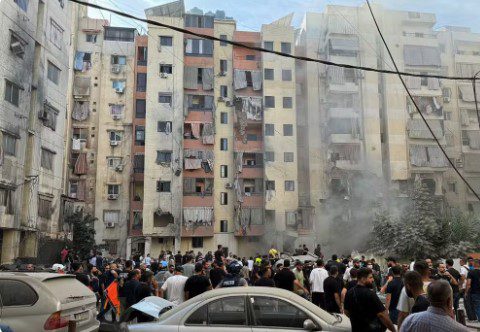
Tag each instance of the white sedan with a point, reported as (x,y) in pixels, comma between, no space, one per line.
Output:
(254,309)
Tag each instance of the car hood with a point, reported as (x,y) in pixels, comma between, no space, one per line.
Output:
(344,324)
(152,306)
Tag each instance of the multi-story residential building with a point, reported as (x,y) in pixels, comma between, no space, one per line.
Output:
(102,132)
(34,80)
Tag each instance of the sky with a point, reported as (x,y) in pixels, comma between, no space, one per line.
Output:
(251,14)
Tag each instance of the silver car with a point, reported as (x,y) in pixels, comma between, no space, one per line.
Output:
(254,309)
(46,302)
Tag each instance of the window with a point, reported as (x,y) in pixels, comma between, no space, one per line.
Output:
(115,136)
(272,312)
(286,75)
(165,98)
(223,66)
(113,189)
(111,246)
(120,34)
(47,159)
(14,292)
(252,137)
(269,129)
(268,45)
(164,157)
(166,69)
(91,38)
(140,135)
(269,156)
(202,47)
(199,21)
(118,85)
(53,73)
(223,198)
(23,4)
(250,57)
(223,171)
(114,162)
(287,102)
(223,144)
(140,108)
(141,82)
(138,163)
(269,74)
(287,130)
(224,37)
(270,185)
(270,101)
(223,91)
(7,199)
(223,117)
(119,60)
(163,186)
(447,115)
(56,34)
(286,48)
(44,207)
(197,242)
(9,144)
(229,311)
(289,185)
(12,93)
(452,187)
(465,139)
(223,226)
(164,127)
(142,55)
(17,44)
(166,40)
(288,157)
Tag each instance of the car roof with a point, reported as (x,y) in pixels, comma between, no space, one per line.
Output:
(40,276)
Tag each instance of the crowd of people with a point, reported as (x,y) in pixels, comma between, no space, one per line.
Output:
(419,296)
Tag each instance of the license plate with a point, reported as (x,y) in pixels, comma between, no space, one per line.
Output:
(81,316)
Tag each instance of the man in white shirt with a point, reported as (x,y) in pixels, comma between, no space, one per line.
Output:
(356,265)
(175,287)
(148,260)
(317,277)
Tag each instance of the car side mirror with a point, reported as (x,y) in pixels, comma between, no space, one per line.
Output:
(309,325)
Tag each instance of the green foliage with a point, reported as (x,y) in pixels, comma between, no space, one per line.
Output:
(83,230)
(421,231)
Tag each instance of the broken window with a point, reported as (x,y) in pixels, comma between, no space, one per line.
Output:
(56,34)
(166,69)
(47,159)
(164,127)
(137,220)
(118,85)
(44,207)
(164,157)
(12,93)
(111,246)
(9,144)
(162,219)
(6,199)
(115,136)
(163,186)
(48,116)
(114,162)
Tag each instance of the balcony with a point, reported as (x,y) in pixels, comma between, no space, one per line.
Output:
(197,231)
(252,230)
(250,146)
(347,87)
(417,18)
(342,113)
(253,200)
(6,220)
(193,200)
(252,171)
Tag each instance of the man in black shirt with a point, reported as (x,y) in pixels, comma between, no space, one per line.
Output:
(473,286)
(364,308)
(130,288)
(198,283)
(219,253)
(217,273)
(285,278)
(178,258)
(414,289)
(79,275)
(394,288)
(265,277)
(332,290)
(455,287)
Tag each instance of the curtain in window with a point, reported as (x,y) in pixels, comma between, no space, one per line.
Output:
(81,110)
(418,155)
(81,86)
(207,78)
(189,185)
(81,165)
(413,82)
(436,157)
(190,77)
(239,79)
(197,216)
(207,134)
(78,64)
(257,80)
(111,216)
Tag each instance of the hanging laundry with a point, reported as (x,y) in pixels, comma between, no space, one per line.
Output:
(207,78)
(81,110)
(433,83)
(81,165)
(190,77)
(76,144)
(257,80)
(81,86)
(193,163)
(239,79)
(195,129)
(207,133)
(78,63)
(413,82)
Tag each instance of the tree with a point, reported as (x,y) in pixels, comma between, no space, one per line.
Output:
(82,226)
(421,231)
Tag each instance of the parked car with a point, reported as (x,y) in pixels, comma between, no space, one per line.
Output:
(243,309)
(45,302)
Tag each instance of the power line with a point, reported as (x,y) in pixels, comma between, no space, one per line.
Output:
(415,104)
(264,50)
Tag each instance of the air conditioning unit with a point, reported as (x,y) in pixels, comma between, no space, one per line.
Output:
(112,196)
(222,73)
(446,99)
(116,116)
(116,69)
(17,48)
(113,143)
(119,168)
(163,75)
(228,186)
(110,224)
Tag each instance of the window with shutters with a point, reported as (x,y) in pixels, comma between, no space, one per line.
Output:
(163,186)
(44,207)
(53,73)
(164,127)
(287,102)
(47,159)
(223,171)
(269,129)
(9,144)
(269,74)
(269,101)
(269,156)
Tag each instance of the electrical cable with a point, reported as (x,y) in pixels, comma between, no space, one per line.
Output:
(416,106)
(264,50)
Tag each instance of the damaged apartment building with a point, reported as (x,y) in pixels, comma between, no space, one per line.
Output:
(360,137)
(34,87)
